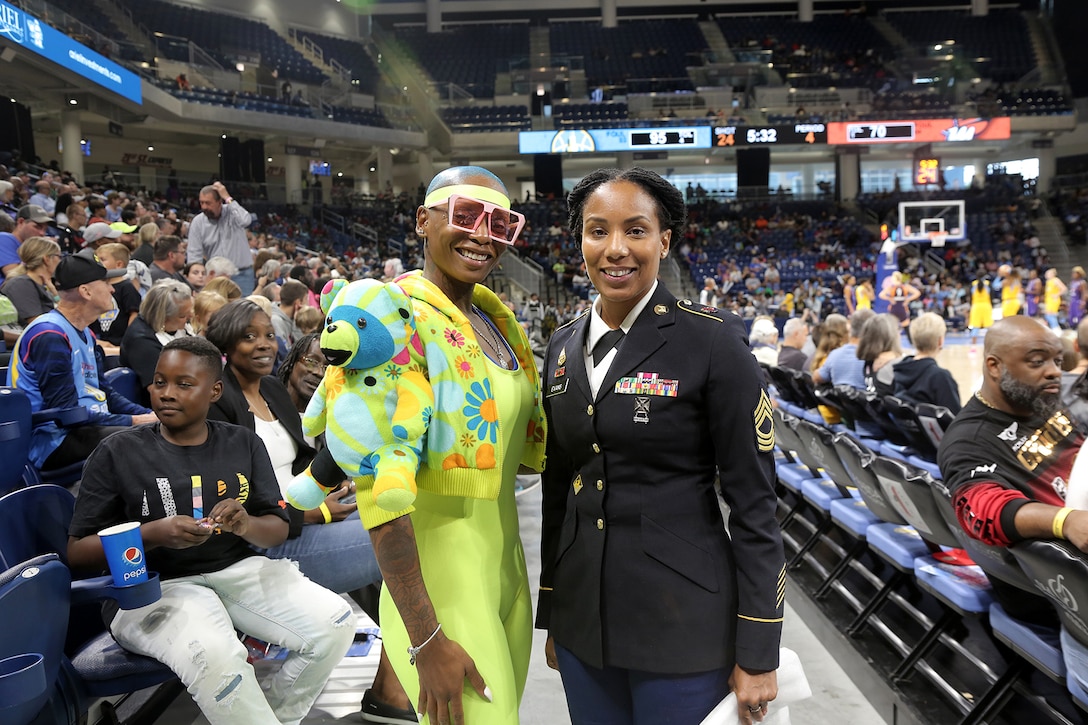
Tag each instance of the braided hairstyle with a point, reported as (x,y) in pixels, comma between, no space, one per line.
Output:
(672,212)
(296,353)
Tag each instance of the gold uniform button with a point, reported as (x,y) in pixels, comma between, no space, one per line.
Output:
(589,410)
(600,485)
(596,448)
(600,523)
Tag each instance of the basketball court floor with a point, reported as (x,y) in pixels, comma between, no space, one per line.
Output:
(835,700)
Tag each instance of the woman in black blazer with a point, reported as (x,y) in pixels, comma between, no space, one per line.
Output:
(654,609)
(329,543)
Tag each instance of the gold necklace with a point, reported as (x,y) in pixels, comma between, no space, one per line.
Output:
(988,404)
(490,336)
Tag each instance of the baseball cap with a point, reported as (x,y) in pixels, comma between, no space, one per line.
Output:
(99,230)
(763,328)
(34,213)
(124,228)
(83,268)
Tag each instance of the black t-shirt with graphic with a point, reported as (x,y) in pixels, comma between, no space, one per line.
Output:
(136,475)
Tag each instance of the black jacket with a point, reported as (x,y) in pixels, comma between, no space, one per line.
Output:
(233,407)
(638,568)
(922,380)
(140,350)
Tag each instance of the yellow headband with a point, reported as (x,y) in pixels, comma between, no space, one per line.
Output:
(470,190)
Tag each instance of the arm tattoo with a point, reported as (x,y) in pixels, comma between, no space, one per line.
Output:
(395,548)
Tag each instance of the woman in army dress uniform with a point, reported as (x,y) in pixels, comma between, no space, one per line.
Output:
(654,610)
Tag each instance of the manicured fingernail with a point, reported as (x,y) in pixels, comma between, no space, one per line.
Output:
(487,693)
(419,717)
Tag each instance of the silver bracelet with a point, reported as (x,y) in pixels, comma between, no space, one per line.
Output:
(413,651)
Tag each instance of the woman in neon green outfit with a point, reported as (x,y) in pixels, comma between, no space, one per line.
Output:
(456,605)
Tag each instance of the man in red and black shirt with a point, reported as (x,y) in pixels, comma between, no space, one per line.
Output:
(1006,458)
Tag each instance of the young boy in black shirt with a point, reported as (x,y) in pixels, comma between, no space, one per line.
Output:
(204,491)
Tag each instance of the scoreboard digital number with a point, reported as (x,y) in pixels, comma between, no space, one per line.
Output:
(798,133)
(663,138)
(927,172)
(879,132)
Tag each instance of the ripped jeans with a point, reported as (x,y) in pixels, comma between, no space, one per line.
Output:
(191,629)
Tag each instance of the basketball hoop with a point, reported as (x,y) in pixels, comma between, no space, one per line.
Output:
(937,239)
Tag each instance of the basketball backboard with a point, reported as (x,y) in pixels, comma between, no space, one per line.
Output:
(920,220)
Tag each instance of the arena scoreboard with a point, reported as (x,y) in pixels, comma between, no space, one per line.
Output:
(923,130)
(778,135)
(572,141)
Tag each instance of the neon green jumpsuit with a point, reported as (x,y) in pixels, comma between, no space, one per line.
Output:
(474,568)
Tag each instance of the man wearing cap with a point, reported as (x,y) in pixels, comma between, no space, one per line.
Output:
(30,221)
(220,231)
(99,233)
(764,341)
(55,363)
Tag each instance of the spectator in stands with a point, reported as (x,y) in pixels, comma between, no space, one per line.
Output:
(794,335)
(224,286)
(533,314)
(1003,491)
(708,295)
(918,378)
(98,233)
(110,328)
(879,349)
(194,275)
(309,320)
(205,304)
(329,545)
(145,249)
(7,198)
(43,197)
(763,340)
(71,234)
(113,207)
(30,221)
(1053,290)
(55,363)
(842,366)
(164,316)
(182,82)
(220,231)
(212,579)
(169,260)
(219,267)
(293,297)
(29,286)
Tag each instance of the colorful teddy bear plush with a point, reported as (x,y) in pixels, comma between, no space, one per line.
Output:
(372,408)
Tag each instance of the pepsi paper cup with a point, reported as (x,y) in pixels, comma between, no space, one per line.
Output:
(124,549)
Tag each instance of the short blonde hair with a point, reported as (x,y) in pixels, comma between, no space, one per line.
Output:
(309,319)
(205,304)
(115,251)
(926,331)
(224,286)
(149,233)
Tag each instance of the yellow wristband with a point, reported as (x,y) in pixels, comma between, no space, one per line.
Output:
(325,513)
(1058,527)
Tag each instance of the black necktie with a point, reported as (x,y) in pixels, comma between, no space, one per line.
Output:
(608,341)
